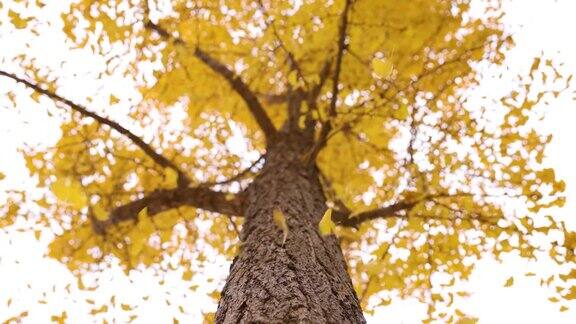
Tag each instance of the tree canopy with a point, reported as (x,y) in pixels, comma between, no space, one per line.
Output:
(422,180)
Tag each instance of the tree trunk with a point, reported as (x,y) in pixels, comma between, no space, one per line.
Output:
(303,280)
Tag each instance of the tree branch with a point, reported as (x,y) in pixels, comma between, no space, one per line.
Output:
(273,98)
(327,125)
(312,100)
(161,160)
(339,55)
(237,177)
(315,91)
(162,200)
(388,99)
(234,80)
(270,25)
(347,220)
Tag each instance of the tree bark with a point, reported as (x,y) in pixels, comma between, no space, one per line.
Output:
(304,280)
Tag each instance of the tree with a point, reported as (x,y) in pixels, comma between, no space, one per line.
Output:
(368,143)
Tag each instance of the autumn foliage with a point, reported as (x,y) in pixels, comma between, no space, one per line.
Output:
(421,177)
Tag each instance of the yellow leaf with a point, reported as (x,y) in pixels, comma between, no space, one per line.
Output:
(571,295)
(143,215)
(2,176)
(16,20)
(467,320)
(535,65)
(187,275)
(102,309)
(36,96)
(382,67)
(386,302)
(326,225)
(114,100)
(559,186)
(126,307)
(293,79)
(280,221)
(59,319)
(547,175)
(302,122)
(140,235)
(401,112)
(166,220)
(99,212)
(509,282)
(313,79)
(215,295)
(459,313)
(70,191)
(170,178)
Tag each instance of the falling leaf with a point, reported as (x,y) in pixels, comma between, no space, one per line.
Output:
(102,309)
(114,100)
(535,65)
(467,320)
(402,131)
(187,275)
(60,319)
(385,302)
(126,307)
(571,293)
(280,221)
(143,215)
(326,225)
(18,21)
(509,282)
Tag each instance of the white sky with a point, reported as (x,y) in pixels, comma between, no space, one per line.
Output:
(537,24)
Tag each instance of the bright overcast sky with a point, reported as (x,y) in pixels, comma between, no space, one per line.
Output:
(25,275)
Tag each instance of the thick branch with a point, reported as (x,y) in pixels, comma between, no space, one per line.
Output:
(158,158)
(347,220)
(162,200)
(234,80)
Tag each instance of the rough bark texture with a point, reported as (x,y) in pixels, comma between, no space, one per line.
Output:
(303,281)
